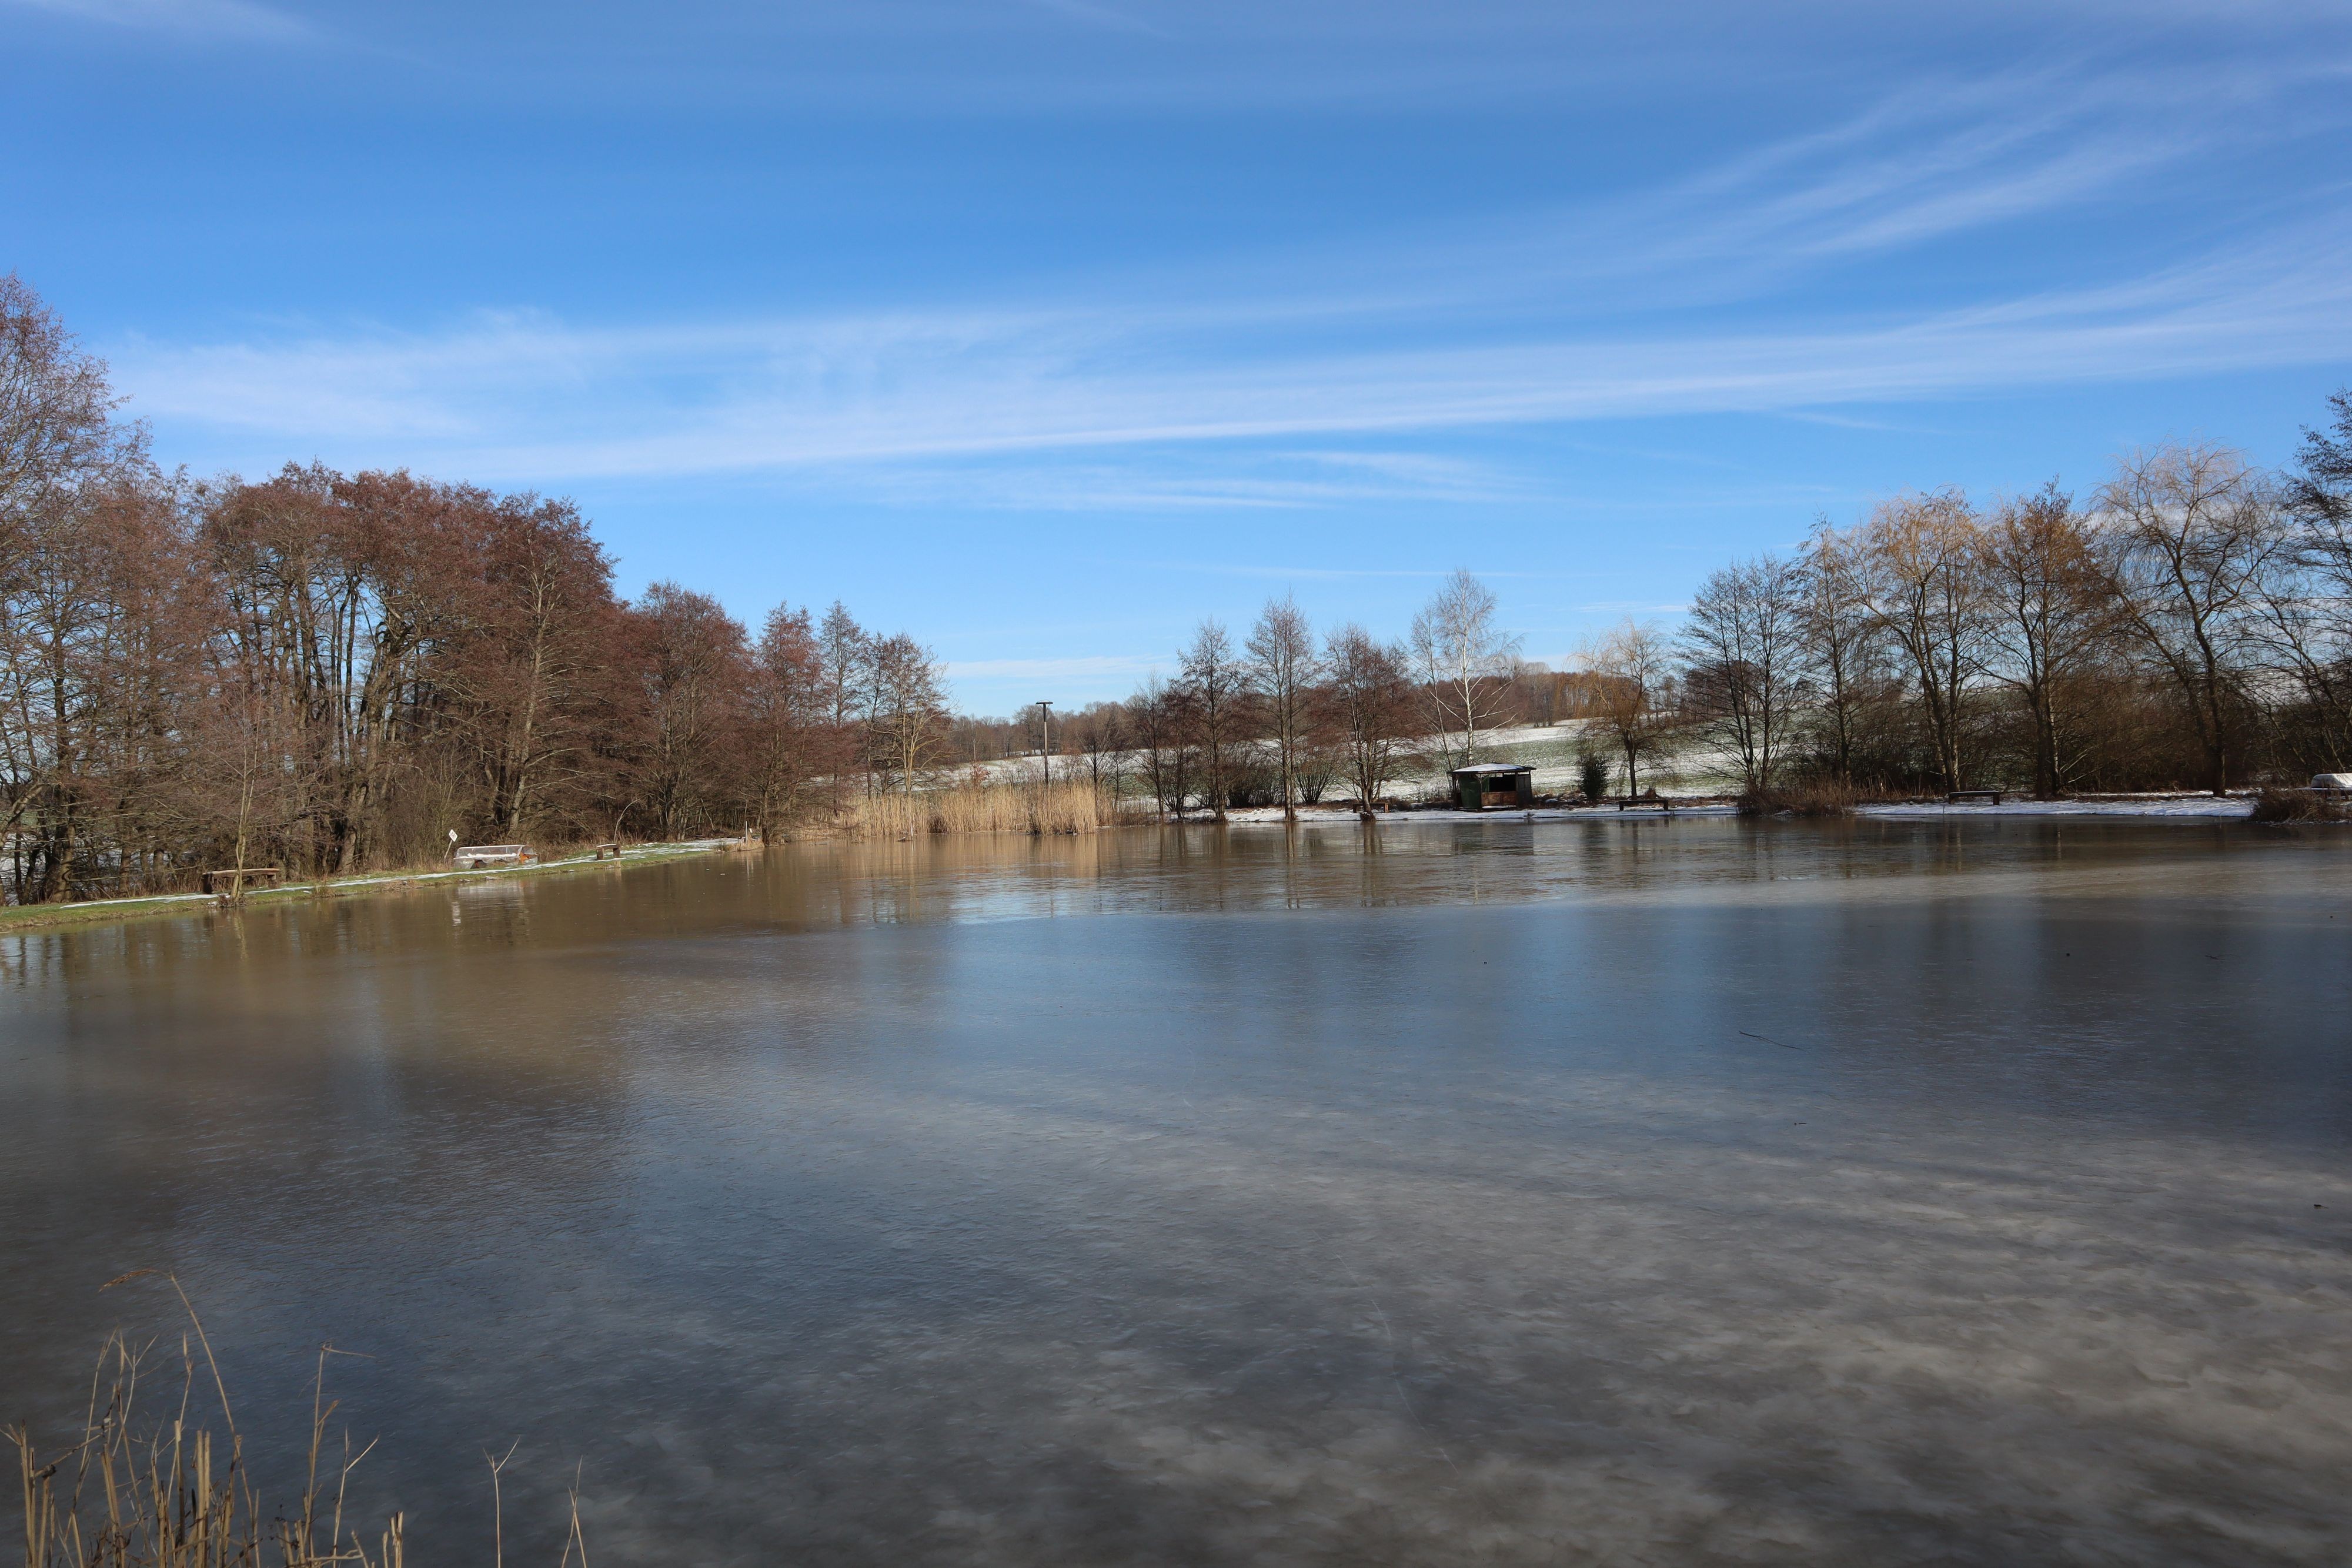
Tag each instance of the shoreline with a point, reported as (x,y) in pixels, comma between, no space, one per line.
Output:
(2152,808)
(2176,807)
(50,917)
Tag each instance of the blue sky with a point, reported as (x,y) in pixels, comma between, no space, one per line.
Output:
(1043,328)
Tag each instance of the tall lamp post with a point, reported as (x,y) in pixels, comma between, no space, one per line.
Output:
(1045,746)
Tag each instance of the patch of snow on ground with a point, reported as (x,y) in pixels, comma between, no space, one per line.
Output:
(1343,816)
(2112,806)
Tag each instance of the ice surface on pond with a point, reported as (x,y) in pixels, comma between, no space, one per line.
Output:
(1702,1192)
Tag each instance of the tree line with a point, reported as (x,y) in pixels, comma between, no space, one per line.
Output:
(1280,718)
(2187,625)
(333,673)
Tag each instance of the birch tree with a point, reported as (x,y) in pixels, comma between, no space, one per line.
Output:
(1462,658)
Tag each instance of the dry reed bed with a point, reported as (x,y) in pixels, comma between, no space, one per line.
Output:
(143,1487)
(1807,799)
(2299,806)
(981,806)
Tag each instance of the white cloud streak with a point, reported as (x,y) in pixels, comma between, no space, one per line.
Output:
(1036,58)
(226,19)
(1614,313)
(515,397)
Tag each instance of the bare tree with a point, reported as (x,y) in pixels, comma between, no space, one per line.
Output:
(1842,647)
(908,718)
(1632,670)
(2050,618)
(2307,614)
(790,741)
(2190,536)
(845,653)
(350,593)
(61,452)
(2322,489)
(58,430)
(96,644)
(402,546)
(1463,659)
(1920,556)
(1369,699)
(1103,739)
(1218,690)
(1161,719)
(1282,646)
(241,738)
(1744,678)
(531,679)
(695,669)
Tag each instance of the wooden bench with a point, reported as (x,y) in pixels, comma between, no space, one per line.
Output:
(1954,796)
(608,851)
(1627,802)
(235,879)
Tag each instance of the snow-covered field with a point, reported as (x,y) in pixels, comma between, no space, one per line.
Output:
(1550,750)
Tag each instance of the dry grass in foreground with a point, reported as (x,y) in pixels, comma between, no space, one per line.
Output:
(2299,806)
(163,1491)
(976,806)
(1801,800)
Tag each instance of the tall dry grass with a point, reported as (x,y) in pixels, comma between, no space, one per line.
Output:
(1817,799)
(2299,806)
(980,805)
(158,1487)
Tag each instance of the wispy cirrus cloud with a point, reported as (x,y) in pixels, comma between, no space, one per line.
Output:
(521,396)
(203,18)
(1035,58)
(1279,479)
(1620,311)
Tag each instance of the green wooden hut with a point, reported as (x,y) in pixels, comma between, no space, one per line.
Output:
(1494,786)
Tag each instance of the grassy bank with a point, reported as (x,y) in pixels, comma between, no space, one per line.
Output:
(973,806)
(45,917)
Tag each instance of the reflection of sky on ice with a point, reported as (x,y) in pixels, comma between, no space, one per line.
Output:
(1912,1194)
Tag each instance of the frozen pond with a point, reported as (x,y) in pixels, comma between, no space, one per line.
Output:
(1638,1192)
